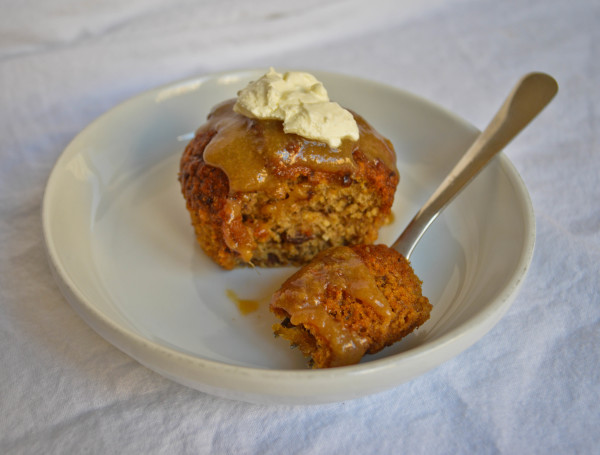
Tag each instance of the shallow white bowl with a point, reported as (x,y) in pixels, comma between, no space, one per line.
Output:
(121,246)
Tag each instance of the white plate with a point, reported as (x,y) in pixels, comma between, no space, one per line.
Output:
(123,251)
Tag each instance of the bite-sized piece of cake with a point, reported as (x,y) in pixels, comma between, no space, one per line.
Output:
(257,195)
(349,301)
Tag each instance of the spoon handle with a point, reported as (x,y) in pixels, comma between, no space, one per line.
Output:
(527,99)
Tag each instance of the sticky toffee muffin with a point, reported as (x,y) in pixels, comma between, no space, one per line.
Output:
(257,195)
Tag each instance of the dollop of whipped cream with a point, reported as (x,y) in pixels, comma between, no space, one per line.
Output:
(302,103)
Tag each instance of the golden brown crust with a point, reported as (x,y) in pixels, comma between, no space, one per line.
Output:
(206,192)
(306,212)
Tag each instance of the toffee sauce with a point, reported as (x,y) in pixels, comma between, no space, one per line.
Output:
(301,297)
(250,151)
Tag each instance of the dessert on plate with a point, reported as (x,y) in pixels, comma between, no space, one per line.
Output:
(281,173)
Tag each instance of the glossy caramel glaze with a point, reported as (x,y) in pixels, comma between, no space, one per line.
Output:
(302,299)
(255,154)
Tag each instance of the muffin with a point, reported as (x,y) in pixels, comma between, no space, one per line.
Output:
(349,301)
(260,195)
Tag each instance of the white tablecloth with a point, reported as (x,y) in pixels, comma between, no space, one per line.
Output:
(529,386)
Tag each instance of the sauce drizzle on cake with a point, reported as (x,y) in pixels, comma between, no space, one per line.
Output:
(252,152)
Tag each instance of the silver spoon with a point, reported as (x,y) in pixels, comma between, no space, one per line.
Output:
(527,99)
